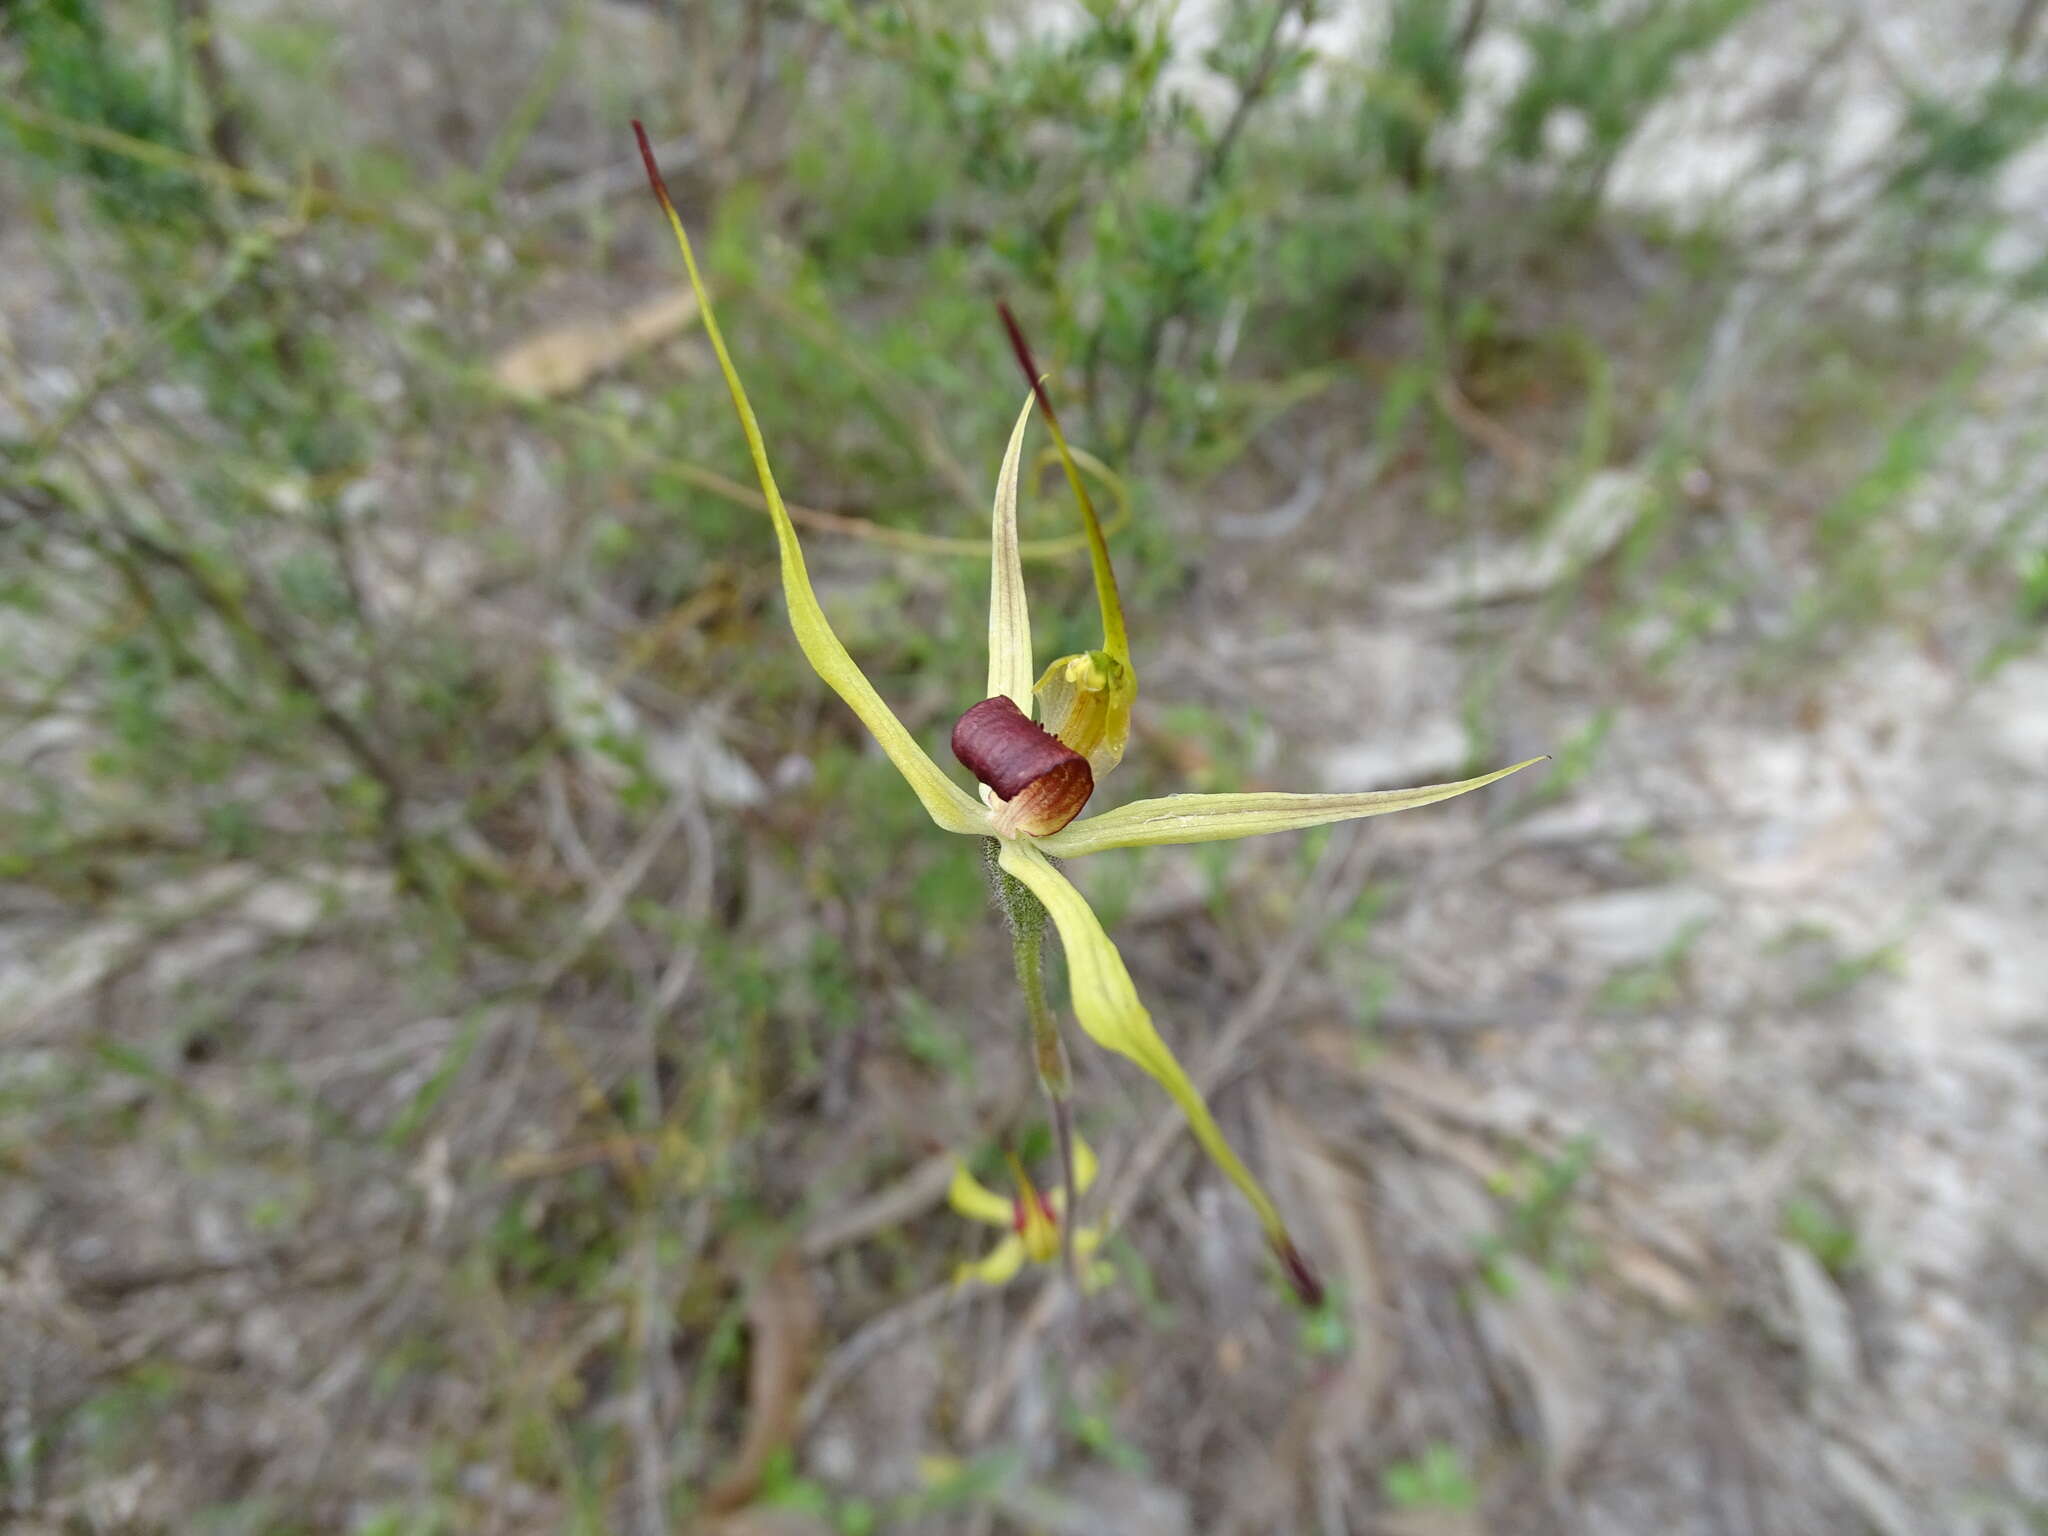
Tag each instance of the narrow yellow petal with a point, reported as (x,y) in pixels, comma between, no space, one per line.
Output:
(946,803)
(1009,618)
(1114,639)
(998,1266)
(1107,1006)
(1211,818)
(976,1201)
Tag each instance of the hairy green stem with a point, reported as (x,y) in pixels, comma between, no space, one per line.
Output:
(1027,918)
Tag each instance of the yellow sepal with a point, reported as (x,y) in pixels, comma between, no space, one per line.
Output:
(999,1266)
(1212,818)
(976,1201)
(947,804)
(1107,1006)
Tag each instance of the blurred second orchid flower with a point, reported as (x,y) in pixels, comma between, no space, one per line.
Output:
(1034,1221)
(1036,776)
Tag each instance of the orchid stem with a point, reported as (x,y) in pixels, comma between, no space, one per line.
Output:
(1063,1133)
(1026,915)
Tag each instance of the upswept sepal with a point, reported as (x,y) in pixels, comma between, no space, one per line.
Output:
(944,801)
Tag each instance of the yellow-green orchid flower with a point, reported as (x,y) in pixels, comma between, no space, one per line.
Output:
(1035,1222)
(1036,780)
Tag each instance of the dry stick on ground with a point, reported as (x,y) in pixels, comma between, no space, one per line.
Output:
(696,913)
(610,898)
(644,1413)
(903,1201)
(782,1322)
(1333,888)
(1520,457)
(631,1153)
(885,1332)
(910,1196)
(655,1394)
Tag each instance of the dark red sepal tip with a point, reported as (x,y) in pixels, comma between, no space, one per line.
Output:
(653,170)
(1025,360)
(1308,1290)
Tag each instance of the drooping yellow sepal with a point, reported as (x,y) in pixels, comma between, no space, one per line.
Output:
(976,1201)
(1107,1006)
(1085,700)
(999,1266)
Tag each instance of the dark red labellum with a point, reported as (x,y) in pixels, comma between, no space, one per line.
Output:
(1045,781)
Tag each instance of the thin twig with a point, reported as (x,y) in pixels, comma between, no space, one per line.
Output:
(654,1387)
(315,199)
(878,1336)
(610,898)
(696,912)
(244,261)
(905,1200)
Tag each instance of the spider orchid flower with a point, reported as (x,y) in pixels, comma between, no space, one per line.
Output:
(1037,775)
(1034,1222)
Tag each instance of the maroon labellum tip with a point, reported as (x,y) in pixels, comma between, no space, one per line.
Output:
(1042,782)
